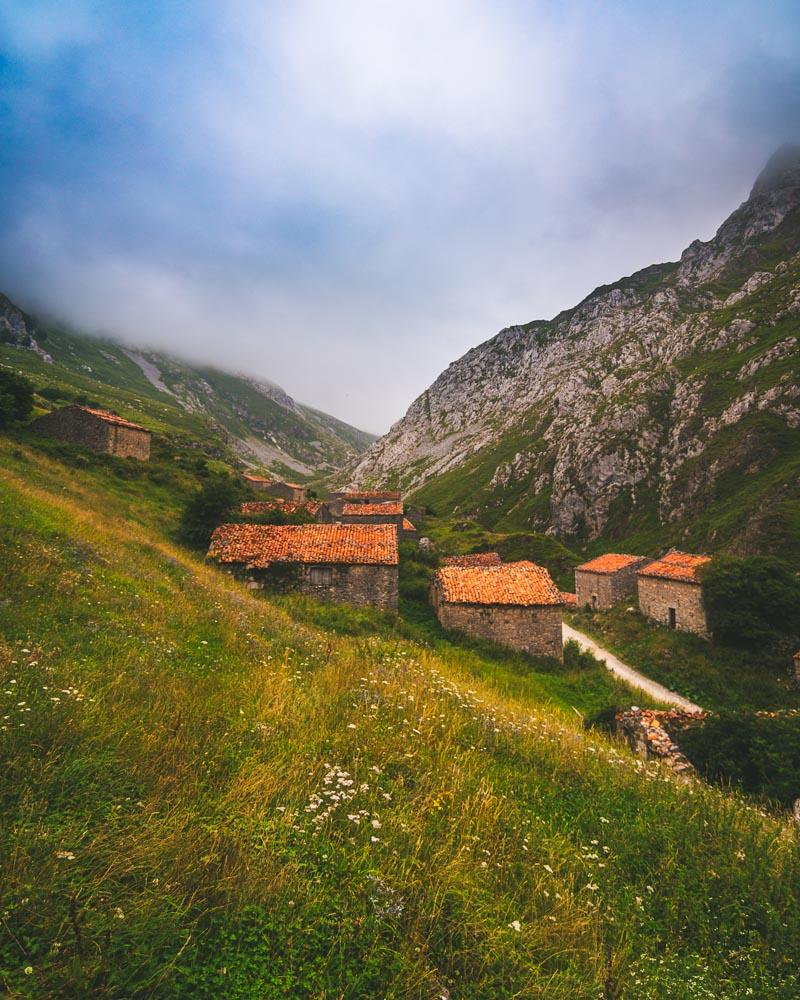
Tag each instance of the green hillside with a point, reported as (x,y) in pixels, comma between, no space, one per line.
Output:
(246,422)
(208,793)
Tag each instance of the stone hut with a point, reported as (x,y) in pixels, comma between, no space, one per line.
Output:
(342,563)
(258,483)
(513,604)
(670,592)
(276,487)
(99,430)
(474,559)
(372,513)
(602,582)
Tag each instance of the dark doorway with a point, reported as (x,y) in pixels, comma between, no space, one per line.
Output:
(671,617)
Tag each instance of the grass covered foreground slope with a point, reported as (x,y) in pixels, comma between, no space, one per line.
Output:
(250,421)
(203,797)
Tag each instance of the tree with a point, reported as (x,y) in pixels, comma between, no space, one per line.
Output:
(752,600)
(214,503)
(16,397)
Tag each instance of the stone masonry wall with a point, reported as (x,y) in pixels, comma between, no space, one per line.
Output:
(657,596)
(609,587)
(396,519)
(73,424)
(285,492)
(535,630)
(357,585)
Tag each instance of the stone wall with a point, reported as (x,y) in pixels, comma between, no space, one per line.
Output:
(608,588)
(657,596)
(534,630)
(648,733)
(73,424)
(339,584)
(396,519)
(285,491)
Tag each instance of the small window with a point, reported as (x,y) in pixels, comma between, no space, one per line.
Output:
(671,617)
(321,576)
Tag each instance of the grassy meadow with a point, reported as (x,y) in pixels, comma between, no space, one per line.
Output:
(210,793)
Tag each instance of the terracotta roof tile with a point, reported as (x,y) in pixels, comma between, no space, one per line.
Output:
(611,562)
(676,566)
(255,479)
(473,559)
(372,509)
(519,583)
(407,525)
(259,545)
(111,418)
(567,598)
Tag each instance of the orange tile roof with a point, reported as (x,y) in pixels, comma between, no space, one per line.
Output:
(294,486)
(111,418)
(278,503)
(372,509)
(567,598)
(259,545)
(256,479)
(473,559)
(519,583)
(407,525)
(374,496)
(611,562)
(676,566)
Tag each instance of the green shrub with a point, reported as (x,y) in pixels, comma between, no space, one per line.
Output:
(758,754)
(16,397)
(214,503)
(752,601)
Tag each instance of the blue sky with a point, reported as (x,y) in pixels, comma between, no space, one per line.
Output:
(345,196)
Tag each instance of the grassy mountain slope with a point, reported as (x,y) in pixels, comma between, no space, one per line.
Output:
(663,409)
(251,422)
(206,796)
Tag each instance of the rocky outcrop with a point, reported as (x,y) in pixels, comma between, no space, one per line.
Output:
(625,400)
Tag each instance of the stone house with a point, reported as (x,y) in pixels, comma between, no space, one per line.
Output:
(514,604)
(258,483)
(342,563)
(474,559)
(372,513)
(275,487)
(670,592)
(99,430)
(602,582)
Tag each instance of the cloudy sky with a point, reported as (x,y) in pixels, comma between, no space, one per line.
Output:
(345,195)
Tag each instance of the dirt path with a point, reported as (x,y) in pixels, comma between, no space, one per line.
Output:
(625,673)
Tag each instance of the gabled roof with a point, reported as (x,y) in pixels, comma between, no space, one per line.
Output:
(372,509)
(111,418)
(373,496)
(260,545)
(256,479)
(407,525)
(567,598)
(473,559)
(611,562)
(520,583)
(676,566)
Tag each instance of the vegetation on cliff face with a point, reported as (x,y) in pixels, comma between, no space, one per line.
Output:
(663,409)
(209,793)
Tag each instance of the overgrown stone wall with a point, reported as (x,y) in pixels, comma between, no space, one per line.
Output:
(73,424)
(608,588)
(657,596)
(648,733)
(535,630)
(361,586)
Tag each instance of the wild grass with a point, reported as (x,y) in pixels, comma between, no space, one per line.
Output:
(204,796)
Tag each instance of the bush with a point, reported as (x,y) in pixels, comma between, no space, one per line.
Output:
(758,754)
(215,502)
(16,397)
(752,601)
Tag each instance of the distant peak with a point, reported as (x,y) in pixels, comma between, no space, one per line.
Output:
(782,170)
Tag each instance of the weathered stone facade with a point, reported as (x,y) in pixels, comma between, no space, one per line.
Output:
(534,629)
(600,590)
(286,491)
(96,429)
(677,604)
(361,586)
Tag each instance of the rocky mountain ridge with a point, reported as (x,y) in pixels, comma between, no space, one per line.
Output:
(664,396)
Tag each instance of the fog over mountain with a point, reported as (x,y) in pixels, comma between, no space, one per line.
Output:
(344,198)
